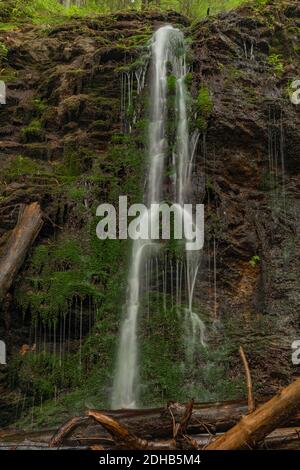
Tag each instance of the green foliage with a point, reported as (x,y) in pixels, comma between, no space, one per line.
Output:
(204,101)
(21,166)
(254,261)
(40,374)
(161,353)
(275,60)
(52,11)
(76,193)
(72,161)
(212,379)
(188,80)
(204,107)
(206,374)
(33,131)
(3,52)
(260,3)
(171,84)
(79,268)
(39,106)
(60,272)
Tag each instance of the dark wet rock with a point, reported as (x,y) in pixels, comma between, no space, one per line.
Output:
(253,121)
(63,109)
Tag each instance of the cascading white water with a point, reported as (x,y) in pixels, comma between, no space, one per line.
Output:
(168,56)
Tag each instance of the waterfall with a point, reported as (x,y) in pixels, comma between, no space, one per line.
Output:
(168,55)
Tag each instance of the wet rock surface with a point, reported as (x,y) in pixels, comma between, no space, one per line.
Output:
(247,59)
(62,114)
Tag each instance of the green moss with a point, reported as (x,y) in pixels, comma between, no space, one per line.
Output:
(39,106)
(8,74)
(204,107)
(7,26)
(275,60)
(21,166)
(3,52)
(40,374)
(101,125)
(201,123)
(60,272)
(37,150)
(72,161)
(161,350)
(33,132)
(204,101)
(254,261)
(136,40)
(171,84)
(76,193)
(206,374)
(188,80)
(235,73)
(78,268)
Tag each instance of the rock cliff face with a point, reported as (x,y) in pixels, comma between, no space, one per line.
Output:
(64,143)
(247,60)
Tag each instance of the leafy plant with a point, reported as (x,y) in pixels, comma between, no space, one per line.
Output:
(275,60)
(204,106)
(254,261)
(3,52)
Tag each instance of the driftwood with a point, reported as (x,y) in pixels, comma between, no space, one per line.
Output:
(28,226)
(65,430)
(158,423)
(250,432)
(152,424)
(125,439)
(280,439)
(253,428)
(121,436)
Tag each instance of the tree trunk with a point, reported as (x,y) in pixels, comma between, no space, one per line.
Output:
(28,226)
(158,423)
(253,428)
(280,439)
(123,439)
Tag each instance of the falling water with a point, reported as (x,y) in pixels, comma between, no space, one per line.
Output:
(168,56)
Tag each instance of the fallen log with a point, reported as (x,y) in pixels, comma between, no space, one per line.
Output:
(123,439)
(22,237)
(253,428)
(280,439)
(248,433)
(65,430)
(158,423)
(121,436)
(35,446)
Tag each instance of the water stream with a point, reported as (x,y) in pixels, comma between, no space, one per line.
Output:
(168,56)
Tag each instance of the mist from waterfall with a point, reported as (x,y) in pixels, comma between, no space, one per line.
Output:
(168,56)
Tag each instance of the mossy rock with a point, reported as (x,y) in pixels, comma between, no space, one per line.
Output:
(37,151)
(33,132)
